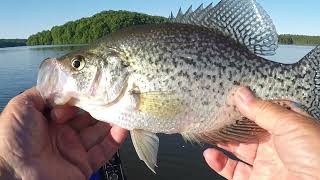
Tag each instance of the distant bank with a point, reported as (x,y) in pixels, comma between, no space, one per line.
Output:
(12,42)
(283,39)
(86,30)
(299,39)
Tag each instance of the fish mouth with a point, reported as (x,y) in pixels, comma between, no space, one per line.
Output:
(54,84)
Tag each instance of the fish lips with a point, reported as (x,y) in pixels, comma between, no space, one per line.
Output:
(54,84)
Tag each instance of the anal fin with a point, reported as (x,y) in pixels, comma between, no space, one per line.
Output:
(241,131)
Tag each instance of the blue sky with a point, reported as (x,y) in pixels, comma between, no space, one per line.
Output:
(21,18)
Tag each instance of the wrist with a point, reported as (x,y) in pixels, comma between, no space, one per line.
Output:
(6,171)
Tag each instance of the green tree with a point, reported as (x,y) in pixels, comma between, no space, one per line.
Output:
(299,39)
(86,30)
(12,42)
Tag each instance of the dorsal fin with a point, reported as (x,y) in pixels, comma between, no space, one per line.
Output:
(245,21)
(171,17)
(187,14)
(179,15)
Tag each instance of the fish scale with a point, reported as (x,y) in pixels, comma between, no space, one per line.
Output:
(223,63)
(180,77)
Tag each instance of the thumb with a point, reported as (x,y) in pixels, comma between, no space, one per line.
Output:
(266,114)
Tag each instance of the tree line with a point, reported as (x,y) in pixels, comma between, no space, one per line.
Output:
(86,30)
(299,39)
(12,42)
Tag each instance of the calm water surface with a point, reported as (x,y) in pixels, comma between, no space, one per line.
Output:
(176,160)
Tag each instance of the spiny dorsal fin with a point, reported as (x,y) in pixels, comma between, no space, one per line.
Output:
(189,10)
(179,15)
(195,14)
(245,21)
(199,8)
(171,17)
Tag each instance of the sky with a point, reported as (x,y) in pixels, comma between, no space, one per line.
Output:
(21,18)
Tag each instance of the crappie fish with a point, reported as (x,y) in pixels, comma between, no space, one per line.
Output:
(178,77)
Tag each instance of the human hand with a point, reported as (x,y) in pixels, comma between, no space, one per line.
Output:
(62,144)
(291,151)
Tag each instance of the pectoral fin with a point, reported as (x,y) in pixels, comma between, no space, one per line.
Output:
(162,105)
(146,145)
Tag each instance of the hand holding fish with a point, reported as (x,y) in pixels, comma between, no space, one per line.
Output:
(60,144)
(290,152)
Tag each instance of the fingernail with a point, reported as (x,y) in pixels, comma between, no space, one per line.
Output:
(245,95)
(206,152)
(55,114)
(58,115)
(216,160)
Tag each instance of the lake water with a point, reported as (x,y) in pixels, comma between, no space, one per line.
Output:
(176,159)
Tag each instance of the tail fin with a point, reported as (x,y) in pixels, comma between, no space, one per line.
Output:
(312,59)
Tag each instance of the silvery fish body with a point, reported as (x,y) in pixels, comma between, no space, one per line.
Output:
(179,77)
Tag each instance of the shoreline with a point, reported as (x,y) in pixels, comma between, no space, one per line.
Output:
(66,45)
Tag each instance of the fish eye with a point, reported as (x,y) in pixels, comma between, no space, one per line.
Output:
(78,63)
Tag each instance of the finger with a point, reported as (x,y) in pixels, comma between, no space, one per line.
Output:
(62,114)
(226,167)
(93,135)
(29,97)
(82,121)
(98,156)
(117,135)
(101,153)
(296,107)
(215,159)
(69,145)
(245,152)
(265,113)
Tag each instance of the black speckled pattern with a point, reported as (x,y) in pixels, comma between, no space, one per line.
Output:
(202,66)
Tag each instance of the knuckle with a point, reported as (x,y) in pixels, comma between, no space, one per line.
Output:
(18,99)
(21,102)
(13,103)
